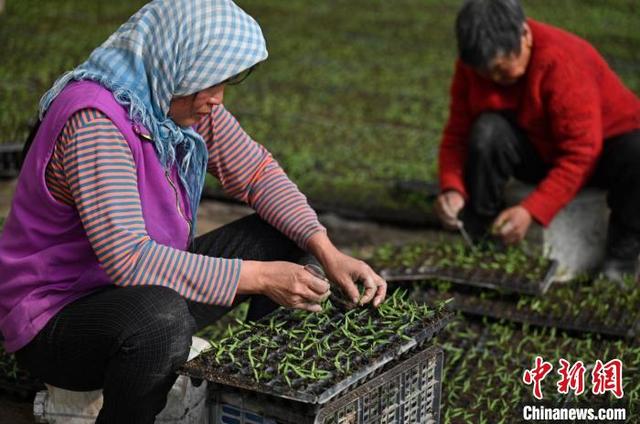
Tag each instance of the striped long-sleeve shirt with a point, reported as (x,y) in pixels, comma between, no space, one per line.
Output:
(92,169)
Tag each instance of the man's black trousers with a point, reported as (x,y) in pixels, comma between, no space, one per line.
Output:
(498,150)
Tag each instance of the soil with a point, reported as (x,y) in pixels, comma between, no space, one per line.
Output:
(16,410)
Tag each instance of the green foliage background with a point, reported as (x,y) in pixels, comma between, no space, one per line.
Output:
(353,96)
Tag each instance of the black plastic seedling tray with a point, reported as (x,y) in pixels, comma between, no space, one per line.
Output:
(205,366)
(22,386)
(406,391)
(10,160)
(501,309)
(488,279)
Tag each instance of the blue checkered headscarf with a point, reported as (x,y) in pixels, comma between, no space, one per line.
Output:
(171,48)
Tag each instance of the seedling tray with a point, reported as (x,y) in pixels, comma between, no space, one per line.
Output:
(507,271)
(495,280)
(340,349)
(10,160)
(406,391)
(497,310)
(15,380)
(622,323)
(22,385)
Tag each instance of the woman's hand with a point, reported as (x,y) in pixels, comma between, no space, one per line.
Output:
(512,224)
(286,283)
(448,206)
(347,271)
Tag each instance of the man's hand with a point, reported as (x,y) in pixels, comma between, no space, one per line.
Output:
(512,224)
(347,271)
(286,283)
(448,206)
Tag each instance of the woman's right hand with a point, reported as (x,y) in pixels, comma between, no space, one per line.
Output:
(286,283)
(448,206)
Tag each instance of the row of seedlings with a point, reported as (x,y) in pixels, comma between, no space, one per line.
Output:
(509,269)
(485,366)
(310,358)
(598,306)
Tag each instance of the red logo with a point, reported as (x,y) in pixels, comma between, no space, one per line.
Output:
(607,378)
(604,377)
(536,375)
(572,377)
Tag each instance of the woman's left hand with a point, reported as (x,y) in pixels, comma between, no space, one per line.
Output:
(347,271)
(512,224)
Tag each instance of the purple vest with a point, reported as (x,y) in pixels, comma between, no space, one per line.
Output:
(46,260)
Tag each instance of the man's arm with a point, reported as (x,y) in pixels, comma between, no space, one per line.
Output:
(572,99)
(453,153)
(453,150)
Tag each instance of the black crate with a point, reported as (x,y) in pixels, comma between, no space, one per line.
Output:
(495,280)
(407,391)
(10,160)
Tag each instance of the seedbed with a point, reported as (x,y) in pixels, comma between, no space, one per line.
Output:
(485,385)
(312,357)
(600,307)
(14,380)
(10,160)
(510,269)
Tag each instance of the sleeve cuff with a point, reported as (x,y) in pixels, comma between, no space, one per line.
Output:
(304,240)
(454,187)
(230,287)
(453,181)
(540,209)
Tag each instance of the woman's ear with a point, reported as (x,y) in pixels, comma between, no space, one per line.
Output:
(527,35)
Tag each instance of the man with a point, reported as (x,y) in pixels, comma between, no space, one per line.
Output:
(534,102)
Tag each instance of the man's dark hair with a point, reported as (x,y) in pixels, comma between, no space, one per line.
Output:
(487,28)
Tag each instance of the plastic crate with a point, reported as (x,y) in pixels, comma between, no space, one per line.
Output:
(407,391)
(10,160)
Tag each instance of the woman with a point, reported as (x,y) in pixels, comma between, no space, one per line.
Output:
(103,282)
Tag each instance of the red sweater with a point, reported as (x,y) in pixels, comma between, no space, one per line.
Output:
(568,102)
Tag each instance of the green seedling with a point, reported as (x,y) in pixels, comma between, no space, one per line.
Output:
(321,346)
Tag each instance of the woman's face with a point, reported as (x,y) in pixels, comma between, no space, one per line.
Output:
(186,111)
(508,69)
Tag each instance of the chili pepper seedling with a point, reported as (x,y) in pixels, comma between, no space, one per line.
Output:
(510,268)
(301,351)
(599,306)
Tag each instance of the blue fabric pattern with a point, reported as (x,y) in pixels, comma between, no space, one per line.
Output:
(171,48)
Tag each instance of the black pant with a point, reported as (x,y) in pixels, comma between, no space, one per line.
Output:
(498,150)
(129,341)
